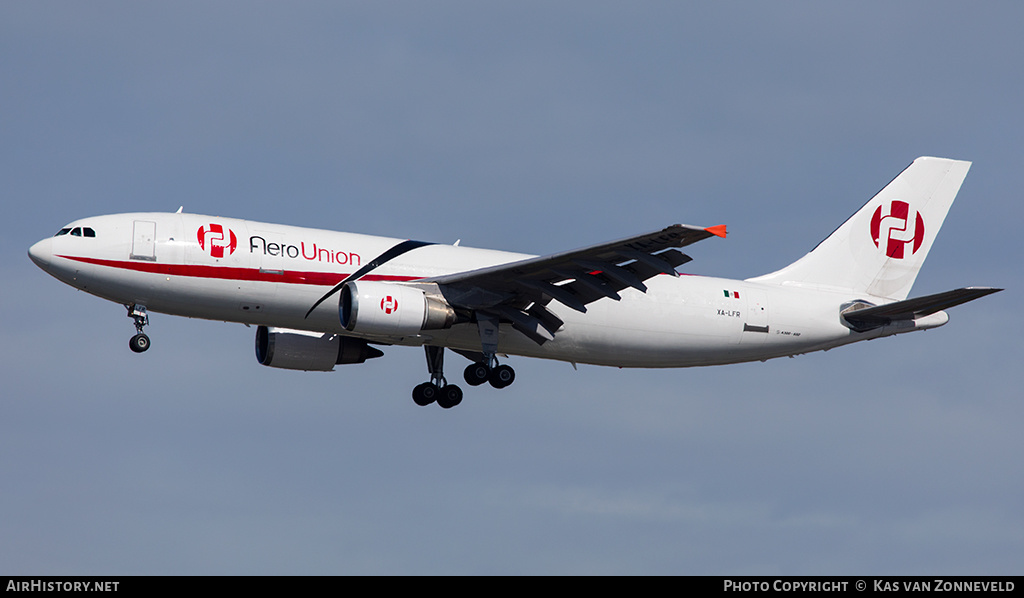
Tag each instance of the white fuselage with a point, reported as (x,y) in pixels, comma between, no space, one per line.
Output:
(268,274)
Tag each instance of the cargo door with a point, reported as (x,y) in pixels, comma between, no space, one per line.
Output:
(755,323)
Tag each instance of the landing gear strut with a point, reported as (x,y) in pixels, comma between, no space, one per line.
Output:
(139,342)
(488,369)
(438,389)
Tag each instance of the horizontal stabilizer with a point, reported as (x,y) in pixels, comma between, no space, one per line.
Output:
(910,309)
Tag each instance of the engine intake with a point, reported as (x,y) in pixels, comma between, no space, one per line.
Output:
(385,309)
(309,351)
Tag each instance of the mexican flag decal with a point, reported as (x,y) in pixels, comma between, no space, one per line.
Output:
(732,294)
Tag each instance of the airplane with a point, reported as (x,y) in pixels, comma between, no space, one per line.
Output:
(321,298)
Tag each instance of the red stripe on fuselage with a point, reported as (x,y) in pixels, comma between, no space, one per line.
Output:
(232,273)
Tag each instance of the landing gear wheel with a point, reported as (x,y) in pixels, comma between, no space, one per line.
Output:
(476,374)
(425,394)
(139,343)
(502,376)
(450,396)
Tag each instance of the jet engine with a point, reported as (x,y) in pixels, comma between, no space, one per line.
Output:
(380,308)
(309,351)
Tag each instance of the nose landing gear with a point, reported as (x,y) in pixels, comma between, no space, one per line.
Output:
(140,342)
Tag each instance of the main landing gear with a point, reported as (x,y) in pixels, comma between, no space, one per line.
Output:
(499,376)
(450,395)
(438,389)
(140,342)
(485,369)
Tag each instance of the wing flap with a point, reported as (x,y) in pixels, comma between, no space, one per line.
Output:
(622,277)
(589,281)
(568,297)
(527,324)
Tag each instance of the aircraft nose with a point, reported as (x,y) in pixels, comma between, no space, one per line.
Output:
(42,253)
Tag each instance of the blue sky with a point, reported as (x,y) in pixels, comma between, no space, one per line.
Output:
(532,127)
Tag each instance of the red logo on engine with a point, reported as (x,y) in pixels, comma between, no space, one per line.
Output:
(897,229)
(211,238)
(389,304)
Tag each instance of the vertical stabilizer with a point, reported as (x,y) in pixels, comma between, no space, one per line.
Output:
(881,248)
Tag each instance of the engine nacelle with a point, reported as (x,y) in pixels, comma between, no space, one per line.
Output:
(385,309)
(309,351)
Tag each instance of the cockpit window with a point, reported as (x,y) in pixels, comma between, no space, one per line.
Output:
(78,231)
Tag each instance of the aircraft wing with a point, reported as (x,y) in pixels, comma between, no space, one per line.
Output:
(519,291)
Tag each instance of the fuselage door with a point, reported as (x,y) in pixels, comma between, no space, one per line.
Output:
(144,241)
(269,251)
(755,322)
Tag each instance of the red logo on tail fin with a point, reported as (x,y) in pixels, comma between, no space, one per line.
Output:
(897,230)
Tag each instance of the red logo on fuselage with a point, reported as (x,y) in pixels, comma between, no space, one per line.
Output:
(389,304)
(897,230)
(211,239)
